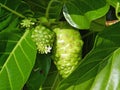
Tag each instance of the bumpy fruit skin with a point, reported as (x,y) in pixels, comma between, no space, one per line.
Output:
(67,50)
(44,38)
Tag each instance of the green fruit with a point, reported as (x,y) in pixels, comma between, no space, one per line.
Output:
(67,50)
(44,38)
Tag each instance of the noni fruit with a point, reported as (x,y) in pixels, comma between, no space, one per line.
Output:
(44,38)
(67,50)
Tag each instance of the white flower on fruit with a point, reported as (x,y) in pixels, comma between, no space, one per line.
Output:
(48,49)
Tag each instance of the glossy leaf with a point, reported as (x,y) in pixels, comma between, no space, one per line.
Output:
(19,63)
(109,77)
(80,13)
(100,69)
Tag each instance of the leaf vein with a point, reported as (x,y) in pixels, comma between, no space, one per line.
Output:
(18,66)
(29,44)
(28,59)
(10,82)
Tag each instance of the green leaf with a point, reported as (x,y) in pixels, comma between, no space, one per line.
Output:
(100,69)
(116,5)
(80,13)
(54,9)
(52,80)
(98,24)
(88,38)
(6,17)
(24,9)
(12,5)
(7,42)
(9,14)
(18,8)
(50,9)
(12,26)
(19,63)
(38,6)
(39,72)
(5,22)
(109,77)
(113,3)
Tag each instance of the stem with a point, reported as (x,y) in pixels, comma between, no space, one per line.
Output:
(117,10)
(14,12)
(48,8)
(86,35)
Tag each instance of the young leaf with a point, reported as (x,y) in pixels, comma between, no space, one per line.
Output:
(100,68)
(18,65)
(80,13)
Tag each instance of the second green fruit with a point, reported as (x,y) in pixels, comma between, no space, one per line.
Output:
(67,50)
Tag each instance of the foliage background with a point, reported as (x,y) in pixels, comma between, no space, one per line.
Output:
(21,67)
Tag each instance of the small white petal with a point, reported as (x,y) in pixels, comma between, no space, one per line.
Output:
(48,49)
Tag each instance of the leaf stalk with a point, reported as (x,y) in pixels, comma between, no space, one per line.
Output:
(14,12)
